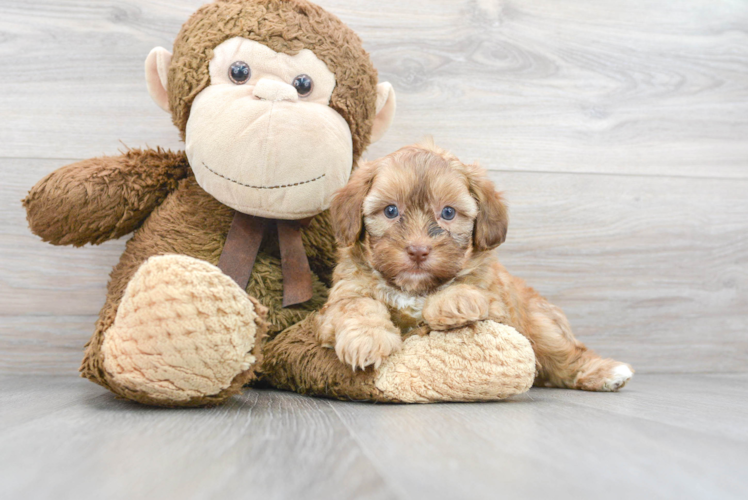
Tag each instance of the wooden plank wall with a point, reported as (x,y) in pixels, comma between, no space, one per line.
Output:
(618,130)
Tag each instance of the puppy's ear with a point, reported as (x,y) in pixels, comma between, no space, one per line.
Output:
(346,208)
(492,221)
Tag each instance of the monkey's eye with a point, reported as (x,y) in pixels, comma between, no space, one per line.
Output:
(391,212)
(303,85)
(448,213)
(239,72)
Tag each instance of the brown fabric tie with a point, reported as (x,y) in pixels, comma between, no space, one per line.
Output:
(243,244)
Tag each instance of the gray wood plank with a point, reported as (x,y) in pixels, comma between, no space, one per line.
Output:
(537,447)
(653,272)
(51,344)
(77,87)
(730,378)
(621,87)
(714,404)
(26,398)
(67,438)
(649,270)
(33,273)
(262,445)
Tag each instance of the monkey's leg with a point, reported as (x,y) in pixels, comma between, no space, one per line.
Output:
(184,334)
(563,360)
(482,362)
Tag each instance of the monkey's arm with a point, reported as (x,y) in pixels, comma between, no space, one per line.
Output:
(96,200)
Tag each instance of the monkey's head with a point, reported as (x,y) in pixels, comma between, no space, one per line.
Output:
(275,100)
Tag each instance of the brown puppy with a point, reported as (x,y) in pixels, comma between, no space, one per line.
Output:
(417,230)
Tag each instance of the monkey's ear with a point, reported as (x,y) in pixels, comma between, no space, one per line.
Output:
(156,75)
(386,104)
(347,205)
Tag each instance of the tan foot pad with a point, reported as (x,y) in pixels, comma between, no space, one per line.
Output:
(486,361)
(183,330)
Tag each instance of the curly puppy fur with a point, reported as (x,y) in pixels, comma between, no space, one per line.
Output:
(428,266)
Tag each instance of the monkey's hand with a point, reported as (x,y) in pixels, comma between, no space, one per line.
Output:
(456,306)
(96,200)
(360,330)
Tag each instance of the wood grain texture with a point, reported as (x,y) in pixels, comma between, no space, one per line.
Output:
(259,446)
(543,445)
(664,436)
(653,273)
(635,87)
(43,344)
(710,403)
(616,129)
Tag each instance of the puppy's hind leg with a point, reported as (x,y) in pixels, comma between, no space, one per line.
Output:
(566,362)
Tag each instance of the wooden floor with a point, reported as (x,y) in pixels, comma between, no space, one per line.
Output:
(664,436)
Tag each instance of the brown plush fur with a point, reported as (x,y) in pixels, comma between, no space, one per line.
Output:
(455,279)
(102,198)
(191,222)
(286,26)
(295,361)
(154,193)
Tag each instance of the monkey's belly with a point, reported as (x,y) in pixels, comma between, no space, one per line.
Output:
(193,223)
(405,320)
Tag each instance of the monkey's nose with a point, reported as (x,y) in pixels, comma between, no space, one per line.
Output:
(271,90)
(418,253)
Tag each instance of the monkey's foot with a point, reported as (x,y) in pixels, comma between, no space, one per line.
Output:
(486,361)
(481,362)
(184,334)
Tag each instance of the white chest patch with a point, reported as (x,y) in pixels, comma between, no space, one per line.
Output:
(411,305)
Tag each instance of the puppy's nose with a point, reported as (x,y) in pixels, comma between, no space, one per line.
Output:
(418,253)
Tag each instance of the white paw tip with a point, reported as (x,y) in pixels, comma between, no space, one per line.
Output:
(623,371)
(621,375)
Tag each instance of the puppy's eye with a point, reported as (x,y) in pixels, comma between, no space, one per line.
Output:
(391,212)
(448,213)
(239,72)
(303,85)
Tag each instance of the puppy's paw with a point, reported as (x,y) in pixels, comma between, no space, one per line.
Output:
(608,377)
(361,346)
(455,307)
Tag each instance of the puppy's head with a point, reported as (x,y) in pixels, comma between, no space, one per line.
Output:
(419,215)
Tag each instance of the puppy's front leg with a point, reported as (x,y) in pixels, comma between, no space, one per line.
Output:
(456,306)
(361,330)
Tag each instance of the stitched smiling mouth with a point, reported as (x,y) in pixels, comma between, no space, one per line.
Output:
(261,187)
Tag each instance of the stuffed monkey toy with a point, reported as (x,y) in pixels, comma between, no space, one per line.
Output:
(232,251)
